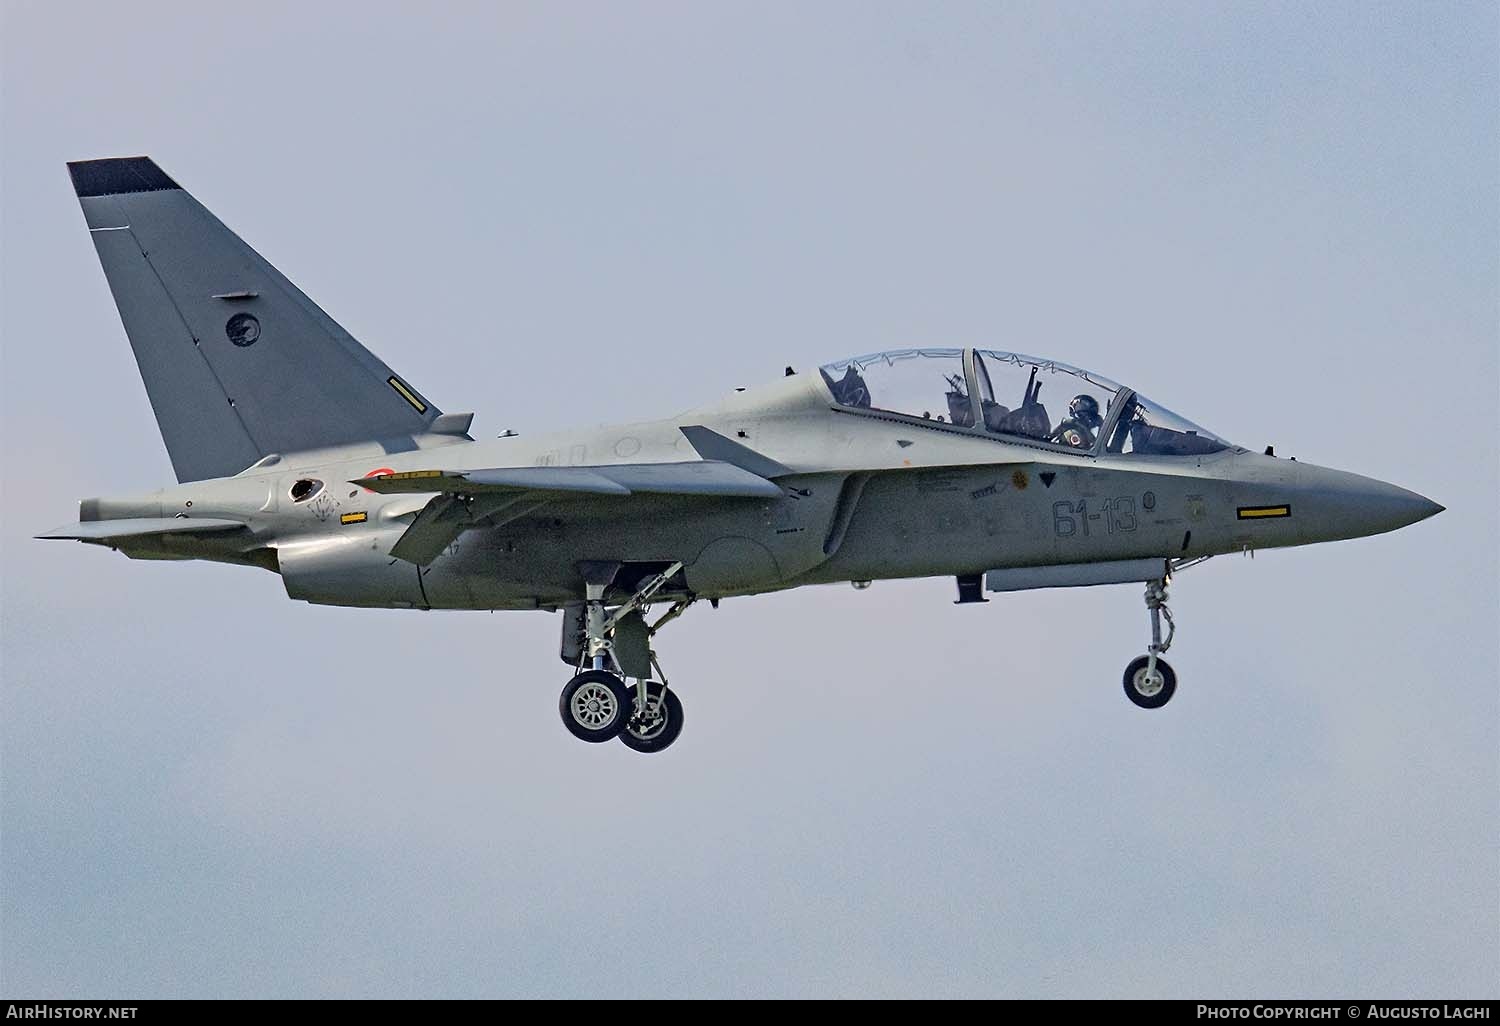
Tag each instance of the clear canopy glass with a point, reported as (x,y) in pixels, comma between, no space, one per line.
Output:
(1010,394)
(1147,429)
(926,383)
(1001,393)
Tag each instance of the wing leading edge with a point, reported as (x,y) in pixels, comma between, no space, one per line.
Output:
(709,478)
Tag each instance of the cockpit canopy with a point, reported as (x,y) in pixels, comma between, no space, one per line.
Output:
(993,392)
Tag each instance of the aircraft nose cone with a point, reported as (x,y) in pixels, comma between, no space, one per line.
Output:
(1363,505)
(1399,507)
(1428,507)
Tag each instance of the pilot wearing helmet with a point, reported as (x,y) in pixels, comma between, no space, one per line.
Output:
(1082,423)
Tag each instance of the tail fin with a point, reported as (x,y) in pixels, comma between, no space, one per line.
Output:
(237,362)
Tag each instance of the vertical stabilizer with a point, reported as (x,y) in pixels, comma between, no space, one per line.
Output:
(237,362)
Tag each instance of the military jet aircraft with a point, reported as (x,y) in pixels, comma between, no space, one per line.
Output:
(298,451)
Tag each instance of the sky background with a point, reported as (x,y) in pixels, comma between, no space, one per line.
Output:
(1281,221)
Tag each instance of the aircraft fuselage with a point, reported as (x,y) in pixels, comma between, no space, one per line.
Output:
(903,498)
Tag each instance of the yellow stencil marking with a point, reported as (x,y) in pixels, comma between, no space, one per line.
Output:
(1262,512)
(406,393)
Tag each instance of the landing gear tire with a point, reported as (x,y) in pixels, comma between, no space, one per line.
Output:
(1150,691)
(661,725)
(595,706)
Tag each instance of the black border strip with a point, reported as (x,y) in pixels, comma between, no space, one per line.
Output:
(1278,511)
(115,175)
(408,393)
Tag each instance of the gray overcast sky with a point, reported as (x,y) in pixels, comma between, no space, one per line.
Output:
(1280,220)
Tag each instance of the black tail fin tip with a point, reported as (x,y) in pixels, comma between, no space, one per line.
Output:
(115,175)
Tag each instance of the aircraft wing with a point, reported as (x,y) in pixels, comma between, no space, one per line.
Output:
(498,495)
(707,478)
(106,531)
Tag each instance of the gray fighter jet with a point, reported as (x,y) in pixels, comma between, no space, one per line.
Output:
(298,451)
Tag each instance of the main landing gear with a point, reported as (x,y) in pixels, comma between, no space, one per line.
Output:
(598,705)
(660,723)
(1149,680)
(595,705)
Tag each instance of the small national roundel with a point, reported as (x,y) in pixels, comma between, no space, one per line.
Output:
(243,330)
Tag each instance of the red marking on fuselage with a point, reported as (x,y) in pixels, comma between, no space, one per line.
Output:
(379,472)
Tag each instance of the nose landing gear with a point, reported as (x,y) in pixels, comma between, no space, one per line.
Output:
(1150,681)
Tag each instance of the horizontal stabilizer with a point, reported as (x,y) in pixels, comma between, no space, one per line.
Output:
(708,478)
(113,530)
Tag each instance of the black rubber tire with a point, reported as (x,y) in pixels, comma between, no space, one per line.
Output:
(624,702)
(1168,683)
(664,734)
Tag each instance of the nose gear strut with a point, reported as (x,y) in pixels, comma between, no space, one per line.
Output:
(1150,681)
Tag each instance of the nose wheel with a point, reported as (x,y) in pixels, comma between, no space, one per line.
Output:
(1150,687)
(1150,681)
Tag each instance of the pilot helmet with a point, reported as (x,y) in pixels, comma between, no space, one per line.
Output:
(1085,409)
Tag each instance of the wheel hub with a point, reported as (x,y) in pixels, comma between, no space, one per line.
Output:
(1148,684)
(652,723)
(594,706)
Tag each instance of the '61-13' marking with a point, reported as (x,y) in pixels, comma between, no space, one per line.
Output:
(1069,518)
